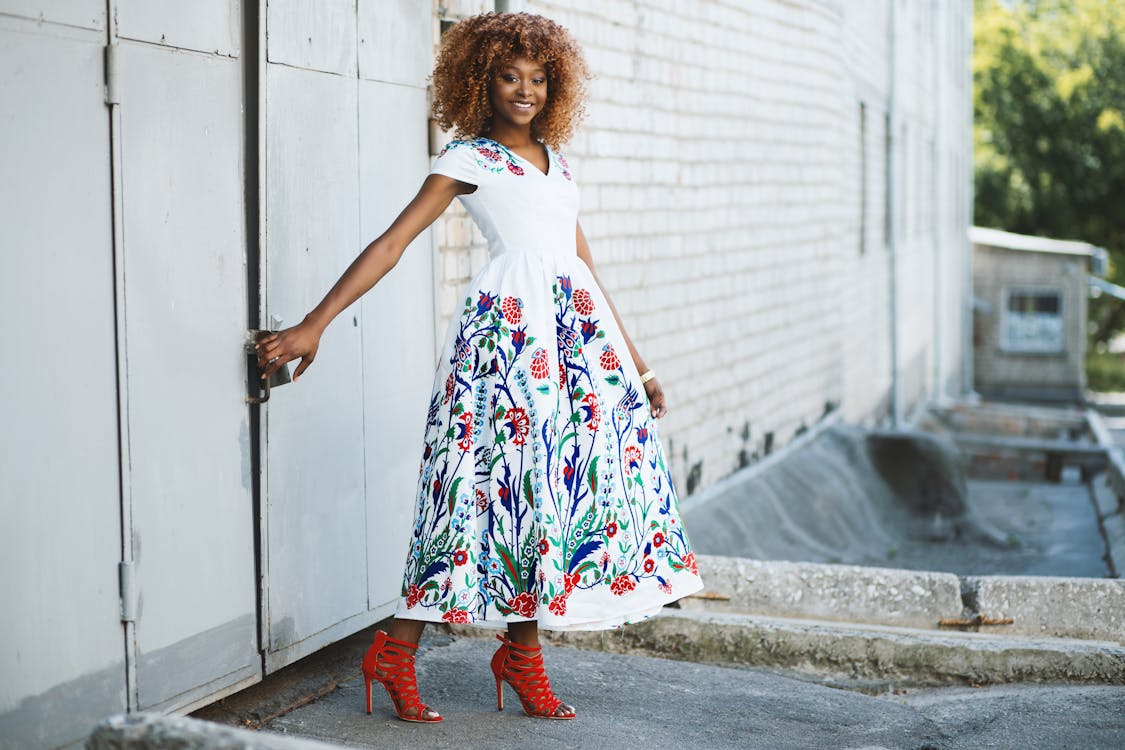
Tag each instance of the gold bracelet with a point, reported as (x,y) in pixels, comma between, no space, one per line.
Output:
(647,376)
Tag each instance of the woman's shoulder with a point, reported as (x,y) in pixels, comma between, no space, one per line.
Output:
(482,155)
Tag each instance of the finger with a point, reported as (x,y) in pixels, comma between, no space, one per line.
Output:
(275,364)
(264,340)
(305,362)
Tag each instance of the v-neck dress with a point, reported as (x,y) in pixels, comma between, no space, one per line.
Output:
(543,492)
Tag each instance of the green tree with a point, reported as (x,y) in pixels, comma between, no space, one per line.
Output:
(1049,126)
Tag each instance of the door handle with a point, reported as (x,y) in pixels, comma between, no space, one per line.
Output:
(258,390)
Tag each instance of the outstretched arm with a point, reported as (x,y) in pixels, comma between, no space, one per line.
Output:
(652,387)
(376,260)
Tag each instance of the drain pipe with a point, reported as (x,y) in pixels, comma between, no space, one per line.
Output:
(891,219)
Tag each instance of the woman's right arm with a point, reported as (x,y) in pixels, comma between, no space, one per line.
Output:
(376,260)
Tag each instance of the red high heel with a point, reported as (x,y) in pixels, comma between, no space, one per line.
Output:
(522,667)
(395,659)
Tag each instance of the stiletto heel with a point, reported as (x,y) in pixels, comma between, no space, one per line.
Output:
(395,659)
(522,667)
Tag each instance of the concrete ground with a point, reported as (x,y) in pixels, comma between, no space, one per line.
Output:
(1044,529)
(626,701)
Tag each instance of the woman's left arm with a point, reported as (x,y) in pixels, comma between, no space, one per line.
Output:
(652,387)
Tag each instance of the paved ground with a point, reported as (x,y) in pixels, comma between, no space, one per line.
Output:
(638,702)
(1043,529)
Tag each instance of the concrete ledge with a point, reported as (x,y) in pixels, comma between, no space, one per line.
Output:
(1092,608)
(826,649)
(147,731)
(852,593)
(1114,528)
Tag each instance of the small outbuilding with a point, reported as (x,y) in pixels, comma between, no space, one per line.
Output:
(1030,311)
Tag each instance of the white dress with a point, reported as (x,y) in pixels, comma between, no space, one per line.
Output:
(543,493)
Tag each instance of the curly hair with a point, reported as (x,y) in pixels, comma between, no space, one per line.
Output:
(474,49)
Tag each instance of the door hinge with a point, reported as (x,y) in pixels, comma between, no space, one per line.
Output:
(112,89)
(128,591)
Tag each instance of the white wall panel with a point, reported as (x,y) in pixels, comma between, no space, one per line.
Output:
(87,14)
(62,663)
(396,41)
(316,556)
(185,318)
(313,34)
(203,25)
(398,356)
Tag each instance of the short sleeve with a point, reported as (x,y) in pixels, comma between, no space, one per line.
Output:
(458,160)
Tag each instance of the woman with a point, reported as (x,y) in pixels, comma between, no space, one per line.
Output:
(543,497)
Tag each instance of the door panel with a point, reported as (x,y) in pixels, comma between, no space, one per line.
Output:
(86,14)
(316,514)
(398,363)
(203,25)
(63,661)
(185,319)
(313,34)
(396,41)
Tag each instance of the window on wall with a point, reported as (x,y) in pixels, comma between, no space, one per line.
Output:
(862,177)
(1033,322)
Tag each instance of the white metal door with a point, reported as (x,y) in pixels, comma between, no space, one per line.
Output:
(185,313)
(346,147)
(62,664)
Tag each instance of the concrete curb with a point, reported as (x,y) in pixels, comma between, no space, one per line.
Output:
(1040,606)
(905,656)
(851,593)
(146,731)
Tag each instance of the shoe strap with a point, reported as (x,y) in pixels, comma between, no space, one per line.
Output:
(523,668)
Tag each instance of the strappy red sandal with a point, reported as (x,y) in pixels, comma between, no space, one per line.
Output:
(395,659)
(522,667)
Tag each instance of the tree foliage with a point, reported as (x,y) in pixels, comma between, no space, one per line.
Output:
(1049,125)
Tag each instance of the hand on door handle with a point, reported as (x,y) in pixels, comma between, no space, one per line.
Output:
(277,348)
(261,382)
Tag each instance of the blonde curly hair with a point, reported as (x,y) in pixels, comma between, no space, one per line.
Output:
(473,50)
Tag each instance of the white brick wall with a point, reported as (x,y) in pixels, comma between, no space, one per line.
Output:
(719,171)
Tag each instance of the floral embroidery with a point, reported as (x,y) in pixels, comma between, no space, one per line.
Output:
(535,490)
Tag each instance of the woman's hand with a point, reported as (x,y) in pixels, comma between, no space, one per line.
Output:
(300,341)
(656,398)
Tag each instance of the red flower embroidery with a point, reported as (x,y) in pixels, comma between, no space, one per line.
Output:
(459,616)
(511,307)
(515,169)
(448,389)
(595,418)
(539,363)
(465,431)
(562,376)
(666,588)
(583,302)
(690,564)
(524,604)
(413,596)
(488,153)
(519,423)
(460,557)
(611,528)
(608,358)
(482,501)
(570,580)
(558,605)
(622,585)
(632,457)
(650,565)
(544,546)
(658,540)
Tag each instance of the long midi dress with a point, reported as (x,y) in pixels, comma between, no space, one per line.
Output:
(543,493)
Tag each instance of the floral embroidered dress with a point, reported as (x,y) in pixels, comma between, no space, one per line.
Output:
(543,493)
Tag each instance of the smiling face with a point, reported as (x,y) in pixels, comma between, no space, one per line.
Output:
(518,92)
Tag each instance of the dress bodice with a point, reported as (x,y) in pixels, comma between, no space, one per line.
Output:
(517,207)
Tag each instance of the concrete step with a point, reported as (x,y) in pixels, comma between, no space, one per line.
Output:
(909,657)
